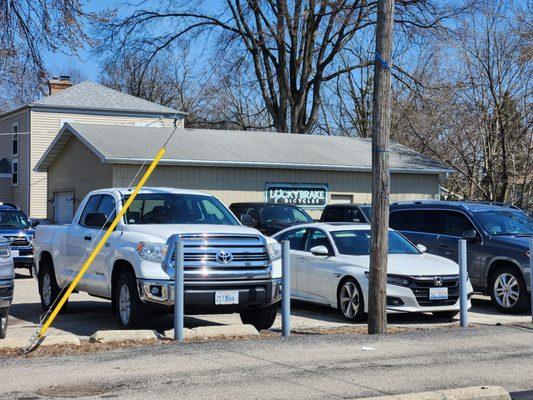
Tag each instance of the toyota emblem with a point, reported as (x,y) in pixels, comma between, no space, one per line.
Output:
(224,257)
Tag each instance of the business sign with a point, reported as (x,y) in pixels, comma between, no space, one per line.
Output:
(304,195)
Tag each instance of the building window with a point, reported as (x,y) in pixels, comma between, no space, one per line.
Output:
(15,130)
(15,172)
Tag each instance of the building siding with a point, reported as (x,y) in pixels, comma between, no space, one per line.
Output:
(45,127)
(17,194)
(248,184)
(79,170)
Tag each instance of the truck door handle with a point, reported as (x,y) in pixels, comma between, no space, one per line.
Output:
(444,245)
(87,238)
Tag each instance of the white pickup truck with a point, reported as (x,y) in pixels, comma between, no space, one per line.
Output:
(228,267)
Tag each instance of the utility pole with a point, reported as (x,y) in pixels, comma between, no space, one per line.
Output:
(377,307)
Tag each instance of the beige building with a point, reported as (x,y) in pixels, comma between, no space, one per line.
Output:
(26,132)
(235,166)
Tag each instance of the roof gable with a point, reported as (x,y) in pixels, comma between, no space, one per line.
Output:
(235,148)
(90,95)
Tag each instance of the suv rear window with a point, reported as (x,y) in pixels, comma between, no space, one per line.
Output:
(427,221)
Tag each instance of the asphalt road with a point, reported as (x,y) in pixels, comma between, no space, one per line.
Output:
(301,367)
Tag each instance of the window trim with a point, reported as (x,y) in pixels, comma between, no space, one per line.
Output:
(15,138)
(15,161)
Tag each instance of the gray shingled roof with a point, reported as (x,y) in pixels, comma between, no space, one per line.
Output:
(90,95)
(129,144)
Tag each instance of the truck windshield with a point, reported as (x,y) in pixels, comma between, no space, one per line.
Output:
(505,222)
(357,243)
(283,214)
(13,219)
(168,208)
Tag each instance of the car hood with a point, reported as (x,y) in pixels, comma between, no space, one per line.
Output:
(16,232)
(164,231)
(518,242)
(410,264)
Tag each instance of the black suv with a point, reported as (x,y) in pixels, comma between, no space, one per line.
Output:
(498,243)
(18,230)
(270,218)
(347,213)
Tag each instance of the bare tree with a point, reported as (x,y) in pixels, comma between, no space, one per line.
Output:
(292,46)
(474,114)
(27,29)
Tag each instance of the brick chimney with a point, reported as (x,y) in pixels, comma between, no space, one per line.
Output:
(58,83)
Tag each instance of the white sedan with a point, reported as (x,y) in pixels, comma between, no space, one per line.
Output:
(330,264)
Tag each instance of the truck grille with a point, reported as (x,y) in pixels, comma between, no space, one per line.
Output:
(224,257)
(17,241)
(420,287)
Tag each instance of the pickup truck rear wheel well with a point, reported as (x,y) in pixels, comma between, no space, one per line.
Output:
(119,268)
(46,259)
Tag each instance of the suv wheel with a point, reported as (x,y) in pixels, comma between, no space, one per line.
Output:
(260,318)
(49,290)
(3,325)
(508,291)
(131,313)
(350,300)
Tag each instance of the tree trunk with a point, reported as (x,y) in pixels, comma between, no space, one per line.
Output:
(377,307)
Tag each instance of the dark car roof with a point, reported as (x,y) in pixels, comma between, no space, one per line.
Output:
(263,204)
(451,205)
(344,205)
(8,206)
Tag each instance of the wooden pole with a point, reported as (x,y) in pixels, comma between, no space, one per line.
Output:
(377,305)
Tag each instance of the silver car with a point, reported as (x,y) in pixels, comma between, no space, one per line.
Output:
(7,274)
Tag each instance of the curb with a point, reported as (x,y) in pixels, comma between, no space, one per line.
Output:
(469,393)
(122,336)
(20,343)
(204,332)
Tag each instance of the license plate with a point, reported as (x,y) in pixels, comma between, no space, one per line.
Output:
(224,297)
(15,253)
(438,293)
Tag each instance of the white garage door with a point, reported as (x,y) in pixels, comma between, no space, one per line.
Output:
(63,207)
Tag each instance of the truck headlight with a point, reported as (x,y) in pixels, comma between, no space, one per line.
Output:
(5,251)
(274,251)
(152,251)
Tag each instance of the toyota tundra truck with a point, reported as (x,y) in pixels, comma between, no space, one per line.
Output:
(227,267)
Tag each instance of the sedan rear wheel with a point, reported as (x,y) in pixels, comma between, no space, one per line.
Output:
(350,300)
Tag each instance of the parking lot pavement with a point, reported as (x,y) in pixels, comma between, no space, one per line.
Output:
(87,314)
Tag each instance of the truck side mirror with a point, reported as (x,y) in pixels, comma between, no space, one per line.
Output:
(247,220)
(34,223)
(470,235)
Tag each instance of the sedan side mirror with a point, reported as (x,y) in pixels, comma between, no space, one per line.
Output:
(421,248)
(247,220)
(470,235)
(319,251)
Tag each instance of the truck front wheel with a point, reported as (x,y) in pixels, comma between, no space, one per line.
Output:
(260,318)
(130,310)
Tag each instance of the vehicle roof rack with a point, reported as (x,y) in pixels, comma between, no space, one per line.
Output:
(492,203)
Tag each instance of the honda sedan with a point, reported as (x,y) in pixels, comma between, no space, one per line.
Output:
(330,265)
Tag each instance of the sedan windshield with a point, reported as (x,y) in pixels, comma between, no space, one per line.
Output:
(505,222)
(357,243)
(13,219)
(283,214)
(178,209)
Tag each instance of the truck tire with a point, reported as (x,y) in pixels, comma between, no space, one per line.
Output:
(49,290)
(3,324)
(508,290)
(260,318)
(131,313)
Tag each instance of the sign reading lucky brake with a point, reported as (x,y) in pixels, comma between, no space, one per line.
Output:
(305,195)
